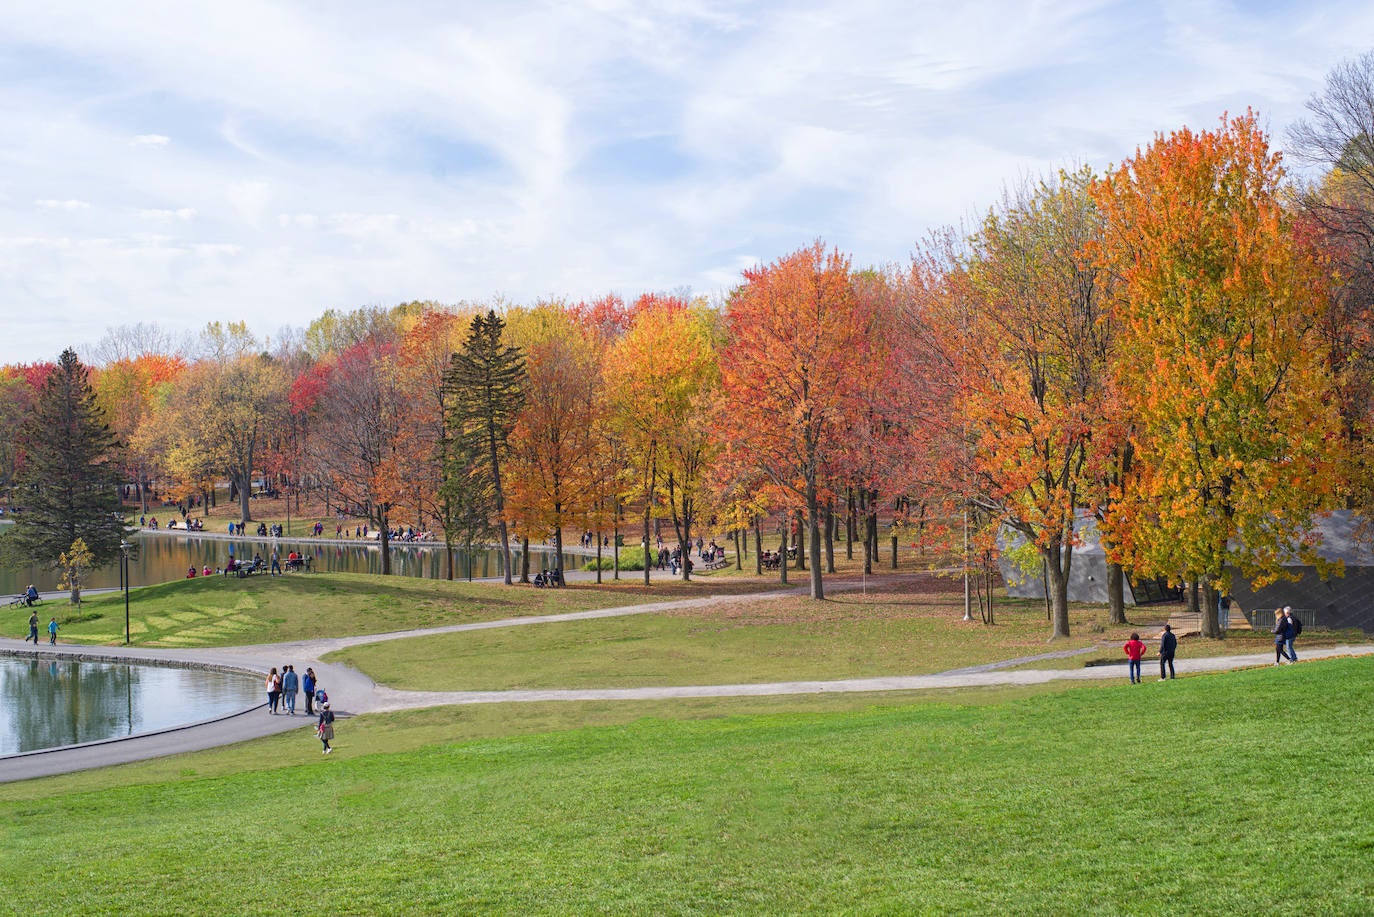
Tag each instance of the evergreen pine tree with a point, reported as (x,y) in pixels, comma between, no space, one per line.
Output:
(486,391)
(69,483)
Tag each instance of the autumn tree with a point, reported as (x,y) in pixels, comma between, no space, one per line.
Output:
(223,412)
(795,331)
(357,420)
(1031,343)
(70,475)
(1337,215)
(426,447)
(661,379)
(552,443)
(485,394)
(129,390)
(1217,360)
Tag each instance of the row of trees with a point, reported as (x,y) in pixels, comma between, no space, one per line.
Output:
(1178,348)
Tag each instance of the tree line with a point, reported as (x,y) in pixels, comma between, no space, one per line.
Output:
(1180,347)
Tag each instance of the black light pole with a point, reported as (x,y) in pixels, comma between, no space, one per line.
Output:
(124,547)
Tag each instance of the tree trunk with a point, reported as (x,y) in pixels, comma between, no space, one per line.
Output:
(813,527)
(849,526)
(598,557)
(504,534)
(1057,564)
(245,493)
(558,545)
(647,565)
(758,547)
(1210,620)
(801,554)
(830,536)
(894,550)
(384,536)
(524,559)
(1116,594)
(782,555)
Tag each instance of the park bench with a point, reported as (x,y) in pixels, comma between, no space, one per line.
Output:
(720,563)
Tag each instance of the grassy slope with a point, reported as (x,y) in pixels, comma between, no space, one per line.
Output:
(1148,799)
(216,611)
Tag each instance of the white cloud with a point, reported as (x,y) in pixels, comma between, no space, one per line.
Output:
(183,214)
(353,159)
(67,205)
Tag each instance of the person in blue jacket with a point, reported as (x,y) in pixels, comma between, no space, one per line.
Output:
(308,683)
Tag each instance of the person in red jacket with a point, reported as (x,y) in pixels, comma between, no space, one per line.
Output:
(1134,650)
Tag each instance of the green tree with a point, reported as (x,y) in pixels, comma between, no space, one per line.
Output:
(486,383)
(69,480)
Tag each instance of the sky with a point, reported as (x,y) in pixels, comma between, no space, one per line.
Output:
(185,162)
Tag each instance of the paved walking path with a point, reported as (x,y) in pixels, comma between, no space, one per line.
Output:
(352,692)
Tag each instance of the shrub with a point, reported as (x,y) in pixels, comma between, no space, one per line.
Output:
(631,558)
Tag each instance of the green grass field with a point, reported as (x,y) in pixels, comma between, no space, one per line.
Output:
(220,611)
(897,631)
(1222,794)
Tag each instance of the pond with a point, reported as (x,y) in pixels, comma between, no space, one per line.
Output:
(51,702)
(164,556)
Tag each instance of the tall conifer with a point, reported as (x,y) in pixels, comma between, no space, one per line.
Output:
(486,384)
(69,482)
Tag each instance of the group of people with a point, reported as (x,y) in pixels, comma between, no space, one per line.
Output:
(550,578)
(282,688)
(1286,629)
(33,630)
(190,525)
(1135,651)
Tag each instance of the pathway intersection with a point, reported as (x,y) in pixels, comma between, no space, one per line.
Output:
(352,692)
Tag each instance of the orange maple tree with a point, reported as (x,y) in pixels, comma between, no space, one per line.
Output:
(797,338)
(1218,361)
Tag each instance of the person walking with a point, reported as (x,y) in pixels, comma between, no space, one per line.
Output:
(33,629)
(290,687)
(52,633)
(273,690)
(1134,649)
(1292,627)
(1168,644)
(1283,631)
(325,729)
(308,683)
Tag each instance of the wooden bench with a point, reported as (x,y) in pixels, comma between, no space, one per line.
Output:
(720,564)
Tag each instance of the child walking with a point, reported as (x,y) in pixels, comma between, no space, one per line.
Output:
(1134,650)
(326,727)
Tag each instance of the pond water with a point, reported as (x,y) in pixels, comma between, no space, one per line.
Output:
(165,557)
(51,702)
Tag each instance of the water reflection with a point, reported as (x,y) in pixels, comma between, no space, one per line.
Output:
(50,702)
(165,557)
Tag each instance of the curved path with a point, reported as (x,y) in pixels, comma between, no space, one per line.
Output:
(352,692)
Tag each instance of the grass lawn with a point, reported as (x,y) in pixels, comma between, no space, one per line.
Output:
(1162,798)
(221,611)
(910,627)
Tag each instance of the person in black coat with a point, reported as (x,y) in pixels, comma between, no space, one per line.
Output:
(1168,644)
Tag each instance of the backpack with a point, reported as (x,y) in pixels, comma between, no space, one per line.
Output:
(321,697)
(1297,625)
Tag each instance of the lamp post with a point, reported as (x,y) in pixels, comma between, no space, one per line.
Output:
(124,547)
